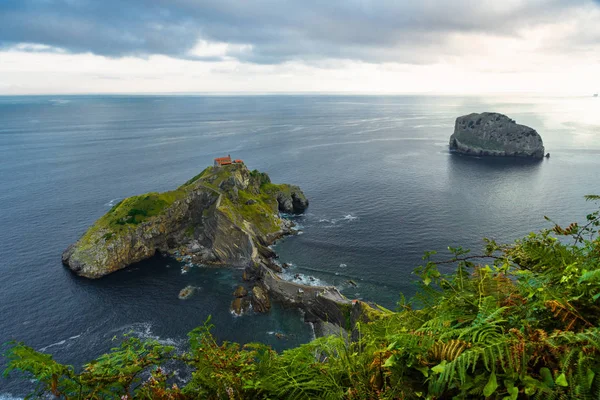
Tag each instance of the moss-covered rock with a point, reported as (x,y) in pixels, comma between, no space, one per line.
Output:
(223,215)
(260,300)
(240,291)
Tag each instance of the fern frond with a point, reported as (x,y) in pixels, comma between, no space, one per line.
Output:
(447,350)
(566,313)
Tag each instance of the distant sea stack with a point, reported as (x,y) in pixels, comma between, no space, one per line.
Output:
(493,134)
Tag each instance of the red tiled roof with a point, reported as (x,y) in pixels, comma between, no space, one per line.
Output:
(223,160)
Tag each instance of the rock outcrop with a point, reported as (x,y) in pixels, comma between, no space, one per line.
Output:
(324,306)
(292,200)
(493,134)
(225,215)
(240,292)
(260,300)
(240,305)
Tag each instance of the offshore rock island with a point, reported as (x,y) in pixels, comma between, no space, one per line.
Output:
(493,134)
(225,215)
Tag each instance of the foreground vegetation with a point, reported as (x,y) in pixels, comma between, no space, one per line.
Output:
(516,321)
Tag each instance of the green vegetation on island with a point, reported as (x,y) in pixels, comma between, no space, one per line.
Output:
(518,321)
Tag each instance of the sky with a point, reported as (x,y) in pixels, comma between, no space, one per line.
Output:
(272,46)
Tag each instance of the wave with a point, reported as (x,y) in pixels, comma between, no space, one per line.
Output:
(307,280)
(64,341)
(249,310)
(291,216)
(333,221)
(53,345)
(113,202)
(143,330)
(297,227)
(59,343)
(8,396)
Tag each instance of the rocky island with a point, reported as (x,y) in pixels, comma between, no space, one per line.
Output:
(227,215)
(493,134)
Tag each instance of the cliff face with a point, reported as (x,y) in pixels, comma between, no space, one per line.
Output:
(226,215)
(493,134)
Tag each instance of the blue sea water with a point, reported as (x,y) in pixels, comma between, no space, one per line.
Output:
(383,189)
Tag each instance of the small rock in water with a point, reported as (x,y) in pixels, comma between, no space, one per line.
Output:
(240,305)
(186,292)
(240,292)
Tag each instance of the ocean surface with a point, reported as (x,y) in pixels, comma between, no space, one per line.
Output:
(383,189)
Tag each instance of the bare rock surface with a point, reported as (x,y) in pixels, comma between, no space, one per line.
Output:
(261,302)
(493,134)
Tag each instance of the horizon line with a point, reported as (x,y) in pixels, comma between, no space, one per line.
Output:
(308,93)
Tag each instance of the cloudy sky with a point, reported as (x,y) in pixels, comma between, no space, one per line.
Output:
(362,46)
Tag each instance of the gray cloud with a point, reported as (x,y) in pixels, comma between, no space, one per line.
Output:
(277,30)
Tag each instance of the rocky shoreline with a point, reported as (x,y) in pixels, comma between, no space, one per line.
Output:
(325,307)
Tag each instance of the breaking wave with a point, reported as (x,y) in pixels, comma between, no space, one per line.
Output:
(113,202)
(303,279)
(60,343)
(333,221)
(143,330)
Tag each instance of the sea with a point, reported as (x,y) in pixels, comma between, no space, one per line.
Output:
(382,185)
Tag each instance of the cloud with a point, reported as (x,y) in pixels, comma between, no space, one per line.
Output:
(279,31)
